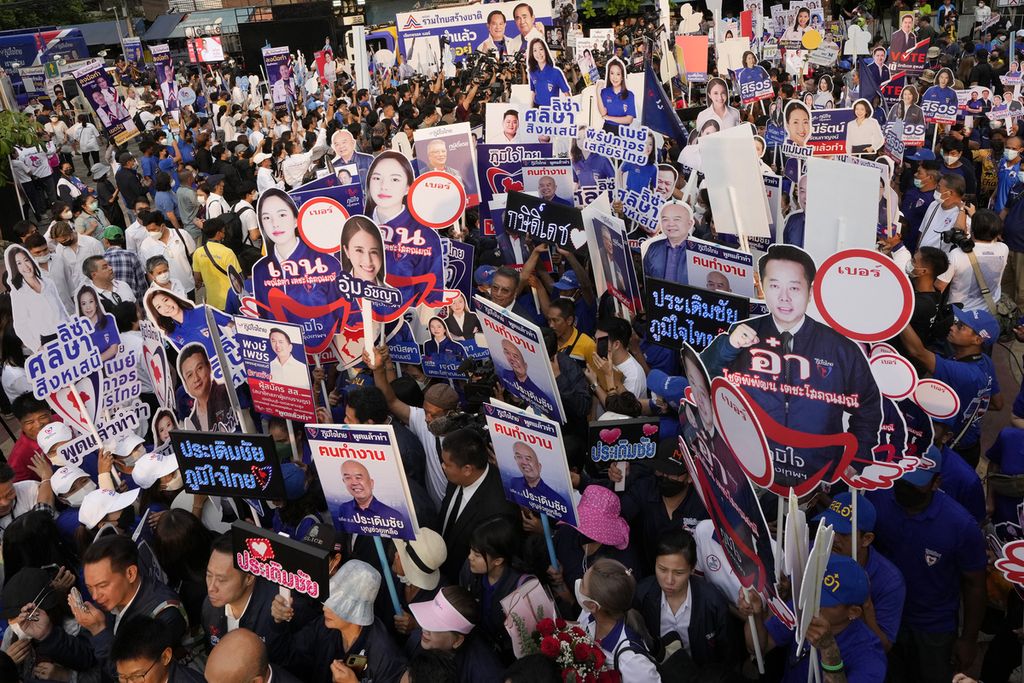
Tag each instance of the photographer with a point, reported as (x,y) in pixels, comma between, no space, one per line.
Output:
(947,211)
(975,265)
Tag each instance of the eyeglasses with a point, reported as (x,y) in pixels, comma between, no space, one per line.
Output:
(135,677)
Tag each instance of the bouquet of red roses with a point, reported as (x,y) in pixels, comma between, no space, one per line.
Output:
(579,658)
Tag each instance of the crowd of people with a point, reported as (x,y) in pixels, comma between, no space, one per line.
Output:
(114,569)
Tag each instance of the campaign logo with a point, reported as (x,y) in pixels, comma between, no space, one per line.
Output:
(824,367)
(262,475)
(931,557)
(500,181)
(411,23)
(260,548)
(714,564)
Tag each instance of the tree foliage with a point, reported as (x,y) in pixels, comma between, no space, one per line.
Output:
(16,130)
(26,14)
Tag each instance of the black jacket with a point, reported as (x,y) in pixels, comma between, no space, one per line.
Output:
(256,618)
(130,185)
(315,647)
(475,661)
(183,674)
(488,501)
(709,618)
(492,616)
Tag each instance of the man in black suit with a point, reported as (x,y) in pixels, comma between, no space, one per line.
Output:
(142,651)
(241,657)
(474,494)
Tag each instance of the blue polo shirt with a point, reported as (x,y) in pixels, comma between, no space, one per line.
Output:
(594,167)
(639,177)
(546,84)
(961,482)
(914,205)
(888,591)
(974,381)
(863,657)
(1008,453)
(932,550)
(1007,175)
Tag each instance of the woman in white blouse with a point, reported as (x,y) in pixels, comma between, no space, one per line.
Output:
(34,299)
(863,134)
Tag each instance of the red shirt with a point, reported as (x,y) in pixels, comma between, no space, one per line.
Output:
(21,457)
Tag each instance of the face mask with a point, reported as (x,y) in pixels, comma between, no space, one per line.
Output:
(909,496)
(995,124)
(66,216)
(75,499)
(1020,176)
(1010,154)
(162,278)
(284,450)
(950,159)
(16,629)
(668,488)
(155,234)
(175,484)
(91,206)
(581,597)
(938,195)
(918,183)
(42,260)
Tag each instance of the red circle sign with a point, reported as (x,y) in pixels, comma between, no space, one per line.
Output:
(436,199)
(863,295)
(894,375)
(320,222)
(736,422)
(937,399)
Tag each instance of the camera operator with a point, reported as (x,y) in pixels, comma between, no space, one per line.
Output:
(947,211)
(975,265)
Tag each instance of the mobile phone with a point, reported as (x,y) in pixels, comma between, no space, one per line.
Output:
(357,663)
(76,595)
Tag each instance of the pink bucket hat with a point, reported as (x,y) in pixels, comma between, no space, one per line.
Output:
(599,517)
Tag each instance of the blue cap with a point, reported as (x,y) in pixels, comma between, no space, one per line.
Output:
(568,281)
(845,582)
(921,154)
(484,274)
(921,476)
(294,481)
(981,321)
(845,64)
(840,514)
(670,388)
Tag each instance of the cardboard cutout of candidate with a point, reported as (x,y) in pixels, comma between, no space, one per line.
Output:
(527,28)
(285,368)
(211,407)
(360,485)
(718,108)
(818,402)
(863,134)
(104,335)
(905,38)
(546,80)
(798,123)
(665,256)
(35,301)
(614,100)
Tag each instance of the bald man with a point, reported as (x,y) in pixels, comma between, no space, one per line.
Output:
(515,377)
(530,490)
(364,514)
(241,657)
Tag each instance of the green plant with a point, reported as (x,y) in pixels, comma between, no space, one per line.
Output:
(16,130)
(586,8)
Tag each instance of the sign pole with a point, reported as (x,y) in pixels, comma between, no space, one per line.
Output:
(385,570)
(323,385)
(225,369)
(853,523)
(779,525)
(296,455)
(753,632)
(546,523)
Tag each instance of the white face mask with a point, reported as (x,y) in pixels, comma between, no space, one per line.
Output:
(950,159)
(75,499)
(155,234)
(162,278)
(175,484)
(938,195)
(42,260)
(67,215)
(581,597)
(909,268)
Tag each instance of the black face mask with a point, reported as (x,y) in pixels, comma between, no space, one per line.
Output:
(909,496)
(669,488)
(602,347)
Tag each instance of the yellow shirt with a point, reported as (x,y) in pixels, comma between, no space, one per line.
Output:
(584,347)
(216,282)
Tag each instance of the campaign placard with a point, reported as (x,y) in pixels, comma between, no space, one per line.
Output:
(719,268)
(165,77)
(131,48)
(532,462)
(522,366)
(544,221)
(627,144)
(219,464)
(499,170)
(609,247)
(755,85)
(274,359)
(553,180)
(912,60)
(62,362)
(97,87)
(623,440)
(284,561)
(449,149)
(363,479)
(641,207)
(692,58)
(680,314)
(557,120)
(940,105)
(278,65)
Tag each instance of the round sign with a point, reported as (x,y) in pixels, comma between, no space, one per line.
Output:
(735,421)
(811,39)
(437,199)
(936,399)
(384,58)
(881,348)
(894,374)
(848,279)
(186,96)
(312,85)
(320,223)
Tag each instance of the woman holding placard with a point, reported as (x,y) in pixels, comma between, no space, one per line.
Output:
(546,80)
(863,134)
(616,103)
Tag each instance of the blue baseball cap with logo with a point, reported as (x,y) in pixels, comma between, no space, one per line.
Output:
(568,281)
(981,321)
(670,388)
(484,274)
(839,514)
(845,582)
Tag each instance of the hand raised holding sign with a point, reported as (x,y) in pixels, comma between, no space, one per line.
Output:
(743,336)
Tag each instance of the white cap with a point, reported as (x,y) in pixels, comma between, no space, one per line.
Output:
(260,157)
(65,477)
(101,503)
(151,467)
(53,434)
(123,447)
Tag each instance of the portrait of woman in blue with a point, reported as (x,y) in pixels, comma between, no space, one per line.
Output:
(104,334)
(412,250)
(309,278)
(546,80)
(616,104)
(640,176)
(183,322)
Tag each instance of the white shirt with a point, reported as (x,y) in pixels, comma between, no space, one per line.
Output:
(88,138)
(937,220)
(66,266)
(730,120)
(15,381)
(437,483)
(451,515)
(265,180)
(37,313)
(291,373)
(216,205)
(120,288)
(963,285)
(26,495)
(118,613)
(232,620)
(134,236)
(176,250)
(679,621)
(712,563)
(633,377)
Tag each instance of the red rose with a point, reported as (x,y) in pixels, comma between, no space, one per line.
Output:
(546,627)
(578,632)
(561,623)
(599,657)
(565,637)
(609,677)
(550,647)
(581,653)
(589,678)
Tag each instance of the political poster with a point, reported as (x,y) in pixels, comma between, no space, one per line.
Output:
(627,144)
(532,462)
(553,180)
(642,208)
(609,247)
(71,356)
(939,102)
(500,170)
(622,440)
(725,489)
(165,76)
(680,314)
(281,560)
(363,479)
(442,356)
(216,464)
(839,220)
(754,85)
(504,123)
(910,58)
(280,81)
(274,359)
(560,118)
(719,268)
(205,49)
(504,29)
(131,48)
(154,356)
(36,302)
(522,366)
(692,58)
(344,186)
(449,149)
(544,221)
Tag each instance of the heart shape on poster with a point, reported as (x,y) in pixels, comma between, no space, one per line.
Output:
(650,430)
(262,475)
(610,436)
(578,238)
(260,548)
